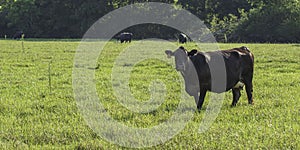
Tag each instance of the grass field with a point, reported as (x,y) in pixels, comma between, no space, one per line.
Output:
(35,115)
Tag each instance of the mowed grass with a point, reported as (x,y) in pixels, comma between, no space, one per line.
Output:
(32,117)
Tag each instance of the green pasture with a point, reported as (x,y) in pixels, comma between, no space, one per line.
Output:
(38,109)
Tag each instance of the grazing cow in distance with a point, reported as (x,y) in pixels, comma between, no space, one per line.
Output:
(18,35)
(239,72)
(125,37)
(182,38)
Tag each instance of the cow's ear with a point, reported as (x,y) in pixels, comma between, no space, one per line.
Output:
(192,52)
(169,53)
(203,58)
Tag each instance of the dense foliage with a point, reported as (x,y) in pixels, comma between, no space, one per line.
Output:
(230,20)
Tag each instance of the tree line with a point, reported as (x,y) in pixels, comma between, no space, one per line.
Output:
(229,20)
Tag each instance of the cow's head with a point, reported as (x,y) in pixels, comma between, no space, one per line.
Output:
(181,58)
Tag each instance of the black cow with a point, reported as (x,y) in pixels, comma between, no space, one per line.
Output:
(239,71)
(182,38)
(125,37)
(18,35)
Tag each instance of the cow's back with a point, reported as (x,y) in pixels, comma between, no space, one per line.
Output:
(238,62)
(233,63)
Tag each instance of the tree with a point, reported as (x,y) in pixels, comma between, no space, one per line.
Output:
(273,21)
(232,20)
(221,17)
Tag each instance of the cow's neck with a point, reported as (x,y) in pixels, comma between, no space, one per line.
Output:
(191,79)
(187,71)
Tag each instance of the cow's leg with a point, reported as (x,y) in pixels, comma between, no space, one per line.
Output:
(236,92)
(201,99)
(196,97)
(249,89)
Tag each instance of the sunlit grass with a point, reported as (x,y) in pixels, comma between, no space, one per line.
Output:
(32,117)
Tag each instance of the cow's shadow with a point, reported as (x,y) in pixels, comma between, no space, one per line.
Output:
(296,45)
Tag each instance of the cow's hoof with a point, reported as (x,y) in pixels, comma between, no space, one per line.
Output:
(198,109)
(251,102)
